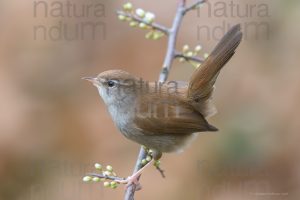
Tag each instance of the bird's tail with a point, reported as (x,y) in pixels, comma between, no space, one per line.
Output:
(202,82)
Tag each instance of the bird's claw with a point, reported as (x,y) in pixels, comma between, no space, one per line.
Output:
(131,180)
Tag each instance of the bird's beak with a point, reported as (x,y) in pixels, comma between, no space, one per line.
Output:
(91,79)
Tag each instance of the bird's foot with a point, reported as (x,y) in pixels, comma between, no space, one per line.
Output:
(161,171)
(134,179)
(131,180)
(157,166)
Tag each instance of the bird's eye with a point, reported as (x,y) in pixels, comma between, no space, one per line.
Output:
(111,83)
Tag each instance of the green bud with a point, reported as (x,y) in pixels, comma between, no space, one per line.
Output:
(198,48)
(140,12)
(96,179)
(149,17)
(133,24)
(157,163)
(113,187)
(106,184)
(122,17)
(144,162)
(109,168)
(189,54)
(156,36)
(87,179)
(142,25)
(149,35)
(107,173)
(128,6)
(113,184)
(98,166)
(128,19)
(185,48)
(148,158)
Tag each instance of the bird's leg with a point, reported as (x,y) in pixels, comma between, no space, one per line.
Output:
(157,166)
(156,155)
(133,179)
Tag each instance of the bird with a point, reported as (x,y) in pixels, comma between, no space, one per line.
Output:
(165,117)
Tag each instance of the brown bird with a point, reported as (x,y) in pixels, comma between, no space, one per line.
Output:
(165,117)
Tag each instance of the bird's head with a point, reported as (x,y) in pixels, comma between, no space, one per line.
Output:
(114,86)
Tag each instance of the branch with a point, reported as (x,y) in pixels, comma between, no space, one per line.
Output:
(170,55)
(194,5)
(113,178)
(188,58)
(130,190)
(152,25)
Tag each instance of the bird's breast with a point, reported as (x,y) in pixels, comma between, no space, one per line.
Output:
(123,117)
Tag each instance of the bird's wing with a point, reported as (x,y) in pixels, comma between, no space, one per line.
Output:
(165,112)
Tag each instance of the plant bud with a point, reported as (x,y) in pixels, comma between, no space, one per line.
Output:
(198,48)
(149,17)
(87,179)
(106,184)
(185,48)
(157,35)
(107,173)
(96,179)
(128,6)
(142,25)
(144,162)
(113,185)
(133,24)
(140,12)
(98,166)
(189,54)
(122,17)
(149,35)
(148,158)
(109,168)
(157,163)
(128,19)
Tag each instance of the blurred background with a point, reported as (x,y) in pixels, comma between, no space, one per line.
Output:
(54,126)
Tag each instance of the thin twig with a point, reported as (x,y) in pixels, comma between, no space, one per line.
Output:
(140,20)
(161,171)
(113,178)
(194,5)
(172,42)
(188,58)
